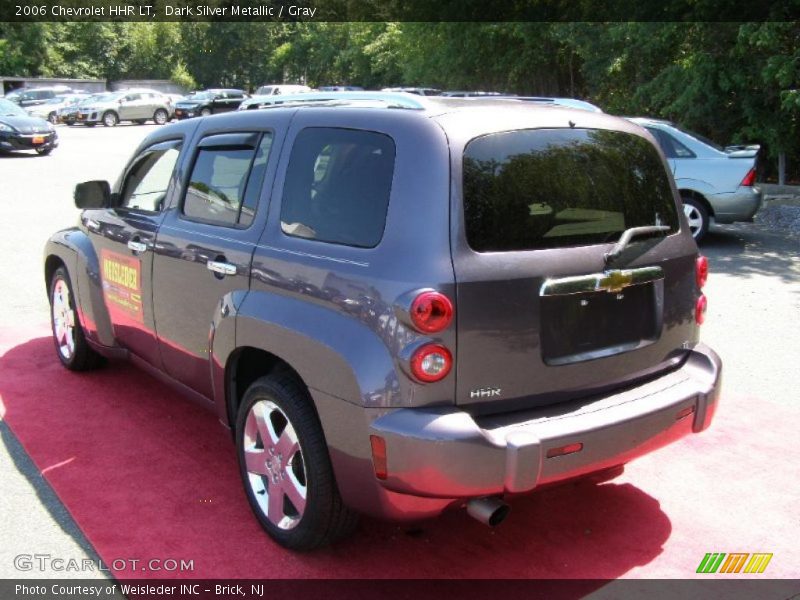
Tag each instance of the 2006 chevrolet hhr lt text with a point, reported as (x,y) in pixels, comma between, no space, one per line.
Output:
(398,304)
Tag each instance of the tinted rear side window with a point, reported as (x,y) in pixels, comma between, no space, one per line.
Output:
(551,188)
(337,186)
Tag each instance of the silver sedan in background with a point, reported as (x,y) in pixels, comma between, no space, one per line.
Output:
(716,184)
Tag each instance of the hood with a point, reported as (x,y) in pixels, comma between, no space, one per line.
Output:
(27,124)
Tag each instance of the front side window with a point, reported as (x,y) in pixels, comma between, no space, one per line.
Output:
(337,186)
(227,178)
(146,183)
(552,188)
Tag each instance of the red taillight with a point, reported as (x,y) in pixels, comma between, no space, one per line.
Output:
(431,312)
(700,309)
(701,271)
(431,362)
(750,178)
(379,456)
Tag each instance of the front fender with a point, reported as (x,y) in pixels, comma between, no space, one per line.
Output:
(73,248)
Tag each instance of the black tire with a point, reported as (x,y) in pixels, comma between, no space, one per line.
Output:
(53,118)
(43,151)
(697,215)
(205,112)
(110,118)
(81,357)
(289,409)
(160,117)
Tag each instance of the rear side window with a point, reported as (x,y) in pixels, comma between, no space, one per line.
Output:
(337,186)
(552,188)
(226,179)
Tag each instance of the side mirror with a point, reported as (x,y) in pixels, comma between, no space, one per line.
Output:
(93,194)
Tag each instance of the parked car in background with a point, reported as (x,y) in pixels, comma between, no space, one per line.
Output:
(466,94)
(398,304)
(137,105)
(340,88)
(32,97)
(209,102)
(20,131)
(716,184)
(567,102)
(69,114)
(419,91)
(49,110)
(282,88)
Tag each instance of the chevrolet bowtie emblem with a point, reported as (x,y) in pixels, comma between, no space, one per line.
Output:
(615,281)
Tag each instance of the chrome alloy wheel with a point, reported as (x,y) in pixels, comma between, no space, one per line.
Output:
(275,466)
(694,217)
(63,320)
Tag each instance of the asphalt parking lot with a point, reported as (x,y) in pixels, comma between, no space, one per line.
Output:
(753,292)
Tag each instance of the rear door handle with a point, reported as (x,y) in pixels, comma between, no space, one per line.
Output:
(137,246)
(223,268)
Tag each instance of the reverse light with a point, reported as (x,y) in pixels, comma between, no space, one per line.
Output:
(431,312)
(750,178)
(431,362)
(701,271)
(700,309)
(379,456)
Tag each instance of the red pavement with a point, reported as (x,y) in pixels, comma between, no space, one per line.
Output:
(147,474)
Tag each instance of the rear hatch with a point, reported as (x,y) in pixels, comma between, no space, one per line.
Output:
(542,315)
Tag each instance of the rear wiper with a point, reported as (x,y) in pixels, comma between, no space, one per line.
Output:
(628,235)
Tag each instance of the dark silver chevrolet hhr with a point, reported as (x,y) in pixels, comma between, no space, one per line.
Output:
(398,304)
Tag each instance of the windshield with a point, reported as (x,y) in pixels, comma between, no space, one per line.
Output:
(9,109)
(552,188)
(264,90)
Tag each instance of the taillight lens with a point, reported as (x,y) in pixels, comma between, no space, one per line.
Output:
(701,271)
(750,178)
(700,310)
(431,362)
(431,312)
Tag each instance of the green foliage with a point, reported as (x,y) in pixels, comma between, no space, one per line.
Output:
(735,82)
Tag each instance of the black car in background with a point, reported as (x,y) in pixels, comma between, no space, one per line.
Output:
(209,102)
(20,131)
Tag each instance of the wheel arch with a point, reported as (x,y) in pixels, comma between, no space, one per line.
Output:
(694,194)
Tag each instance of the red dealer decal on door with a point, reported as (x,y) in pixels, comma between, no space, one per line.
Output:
(122,284)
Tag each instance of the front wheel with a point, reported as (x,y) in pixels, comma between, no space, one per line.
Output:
(110,118)
(285,467)
(205,112)
(160,116)
(72,348)
(697,216)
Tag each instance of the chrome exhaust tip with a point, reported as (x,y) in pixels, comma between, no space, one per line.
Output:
(489,511)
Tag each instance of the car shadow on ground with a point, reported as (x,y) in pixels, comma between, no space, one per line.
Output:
(746,250)
(117,434)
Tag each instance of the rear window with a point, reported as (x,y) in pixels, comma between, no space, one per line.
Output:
(553,188)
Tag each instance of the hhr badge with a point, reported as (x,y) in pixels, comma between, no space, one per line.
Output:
(487,392)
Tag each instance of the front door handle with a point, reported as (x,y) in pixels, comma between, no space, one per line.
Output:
(137,246)
(223,268)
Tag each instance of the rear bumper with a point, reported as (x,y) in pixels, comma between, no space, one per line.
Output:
(447,453)
(740,205)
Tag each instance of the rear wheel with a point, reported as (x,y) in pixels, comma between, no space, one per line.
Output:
(160,116)
(285,467)
(72,348)
(110,118)
(697,216)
